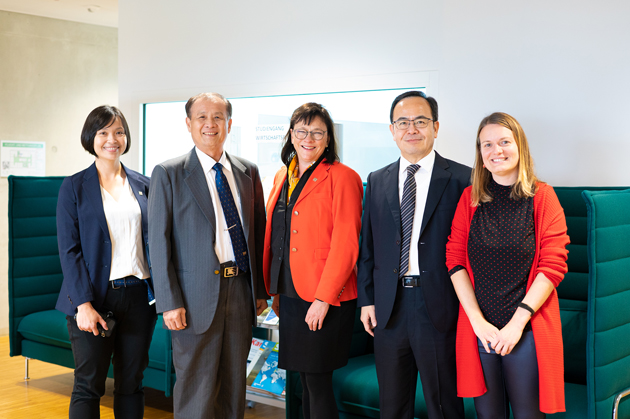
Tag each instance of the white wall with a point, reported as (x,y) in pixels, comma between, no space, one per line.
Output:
(52,74)
(561,68)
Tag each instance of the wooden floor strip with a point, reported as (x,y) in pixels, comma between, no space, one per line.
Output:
(47,393)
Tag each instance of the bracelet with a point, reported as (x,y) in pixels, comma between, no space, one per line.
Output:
(526,307)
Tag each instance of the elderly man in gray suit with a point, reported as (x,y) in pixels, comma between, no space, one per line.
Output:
(206,232)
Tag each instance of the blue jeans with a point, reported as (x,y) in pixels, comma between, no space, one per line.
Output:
(511,380)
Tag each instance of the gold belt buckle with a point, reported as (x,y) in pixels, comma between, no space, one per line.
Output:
(230,271)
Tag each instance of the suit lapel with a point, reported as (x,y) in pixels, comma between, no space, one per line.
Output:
(319,174)
(196,181)
(437,185)
(92,189)
(245,189)
(391,192)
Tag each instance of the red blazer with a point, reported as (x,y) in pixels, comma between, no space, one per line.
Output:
(550,259)
(326,222)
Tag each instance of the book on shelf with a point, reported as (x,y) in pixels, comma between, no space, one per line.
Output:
(271,379)
(271,318)
(261,318)
(258,352)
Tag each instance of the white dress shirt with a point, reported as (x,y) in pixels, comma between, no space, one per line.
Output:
(124,221)
(423,179)
(223,242)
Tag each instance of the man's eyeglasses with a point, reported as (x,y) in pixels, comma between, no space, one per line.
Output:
(421,122)
(301,134)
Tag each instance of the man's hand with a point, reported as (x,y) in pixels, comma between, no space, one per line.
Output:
(368,317)
(261,305)
(175,319)
(275,305)
(316,314)
(87,319)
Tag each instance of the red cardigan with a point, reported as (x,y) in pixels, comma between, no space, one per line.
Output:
(326,222)
(550,259)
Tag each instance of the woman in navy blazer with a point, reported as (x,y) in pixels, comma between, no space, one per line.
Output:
(102,237)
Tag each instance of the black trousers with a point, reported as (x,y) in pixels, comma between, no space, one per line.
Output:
(410,345)
(511,380)
(128,350)
(318,398)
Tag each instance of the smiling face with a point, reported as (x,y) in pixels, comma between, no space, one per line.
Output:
(414,143)
(499,153)
(209,126)
(309,150)
(110,142)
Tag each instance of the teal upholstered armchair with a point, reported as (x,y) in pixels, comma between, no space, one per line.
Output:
(608,324)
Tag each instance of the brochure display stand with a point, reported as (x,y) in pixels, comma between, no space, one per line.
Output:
(265,381)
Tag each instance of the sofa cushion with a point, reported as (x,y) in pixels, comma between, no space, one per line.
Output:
(158,349)
(47,327)
(356,387)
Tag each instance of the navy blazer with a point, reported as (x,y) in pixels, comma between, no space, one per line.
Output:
(379,257)
(85,248)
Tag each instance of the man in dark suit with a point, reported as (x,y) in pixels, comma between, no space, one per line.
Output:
(406,297)
(206,232)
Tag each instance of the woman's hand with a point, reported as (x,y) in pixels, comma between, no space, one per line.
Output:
(485,331)
(508,337)
(87,318)
(275,305)
(316,314)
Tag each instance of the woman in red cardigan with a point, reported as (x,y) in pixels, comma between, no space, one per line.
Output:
(311,251)
(506,255)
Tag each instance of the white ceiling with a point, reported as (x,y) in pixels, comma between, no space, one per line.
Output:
(96,12)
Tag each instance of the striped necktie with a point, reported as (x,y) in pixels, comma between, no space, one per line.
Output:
(232,219)
(407,211)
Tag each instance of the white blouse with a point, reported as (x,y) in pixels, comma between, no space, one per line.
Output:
(124,221)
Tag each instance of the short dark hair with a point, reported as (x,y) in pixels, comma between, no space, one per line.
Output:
(306,113)
(415,93)
(99,118)
(212,96)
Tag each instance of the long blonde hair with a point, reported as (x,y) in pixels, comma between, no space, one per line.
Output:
(526,183)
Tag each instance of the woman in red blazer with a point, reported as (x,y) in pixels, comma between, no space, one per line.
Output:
(311,249)
(506,255)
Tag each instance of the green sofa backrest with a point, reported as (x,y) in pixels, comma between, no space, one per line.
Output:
(608,342)
(573,290)
(34,269)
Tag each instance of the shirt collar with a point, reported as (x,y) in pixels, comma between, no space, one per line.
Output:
(426,164)
(207,162)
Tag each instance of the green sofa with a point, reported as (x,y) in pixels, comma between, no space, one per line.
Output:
(36,329)
(594,308)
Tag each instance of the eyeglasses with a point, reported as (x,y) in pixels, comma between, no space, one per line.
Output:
(421,122)
(301,134)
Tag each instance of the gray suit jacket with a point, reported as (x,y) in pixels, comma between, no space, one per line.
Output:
(182,234)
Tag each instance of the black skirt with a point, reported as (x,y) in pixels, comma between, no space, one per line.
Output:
(320,351)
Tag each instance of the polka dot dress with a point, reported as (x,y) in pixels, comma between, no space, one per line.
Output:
(501,248)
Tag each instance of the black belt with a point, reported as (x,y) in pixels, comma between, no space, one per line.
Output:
(230,270)
(128,281)
(410,281)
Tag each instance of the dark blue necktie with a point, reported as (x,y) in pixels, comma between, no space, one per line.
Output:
(232,219)
(407,211)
